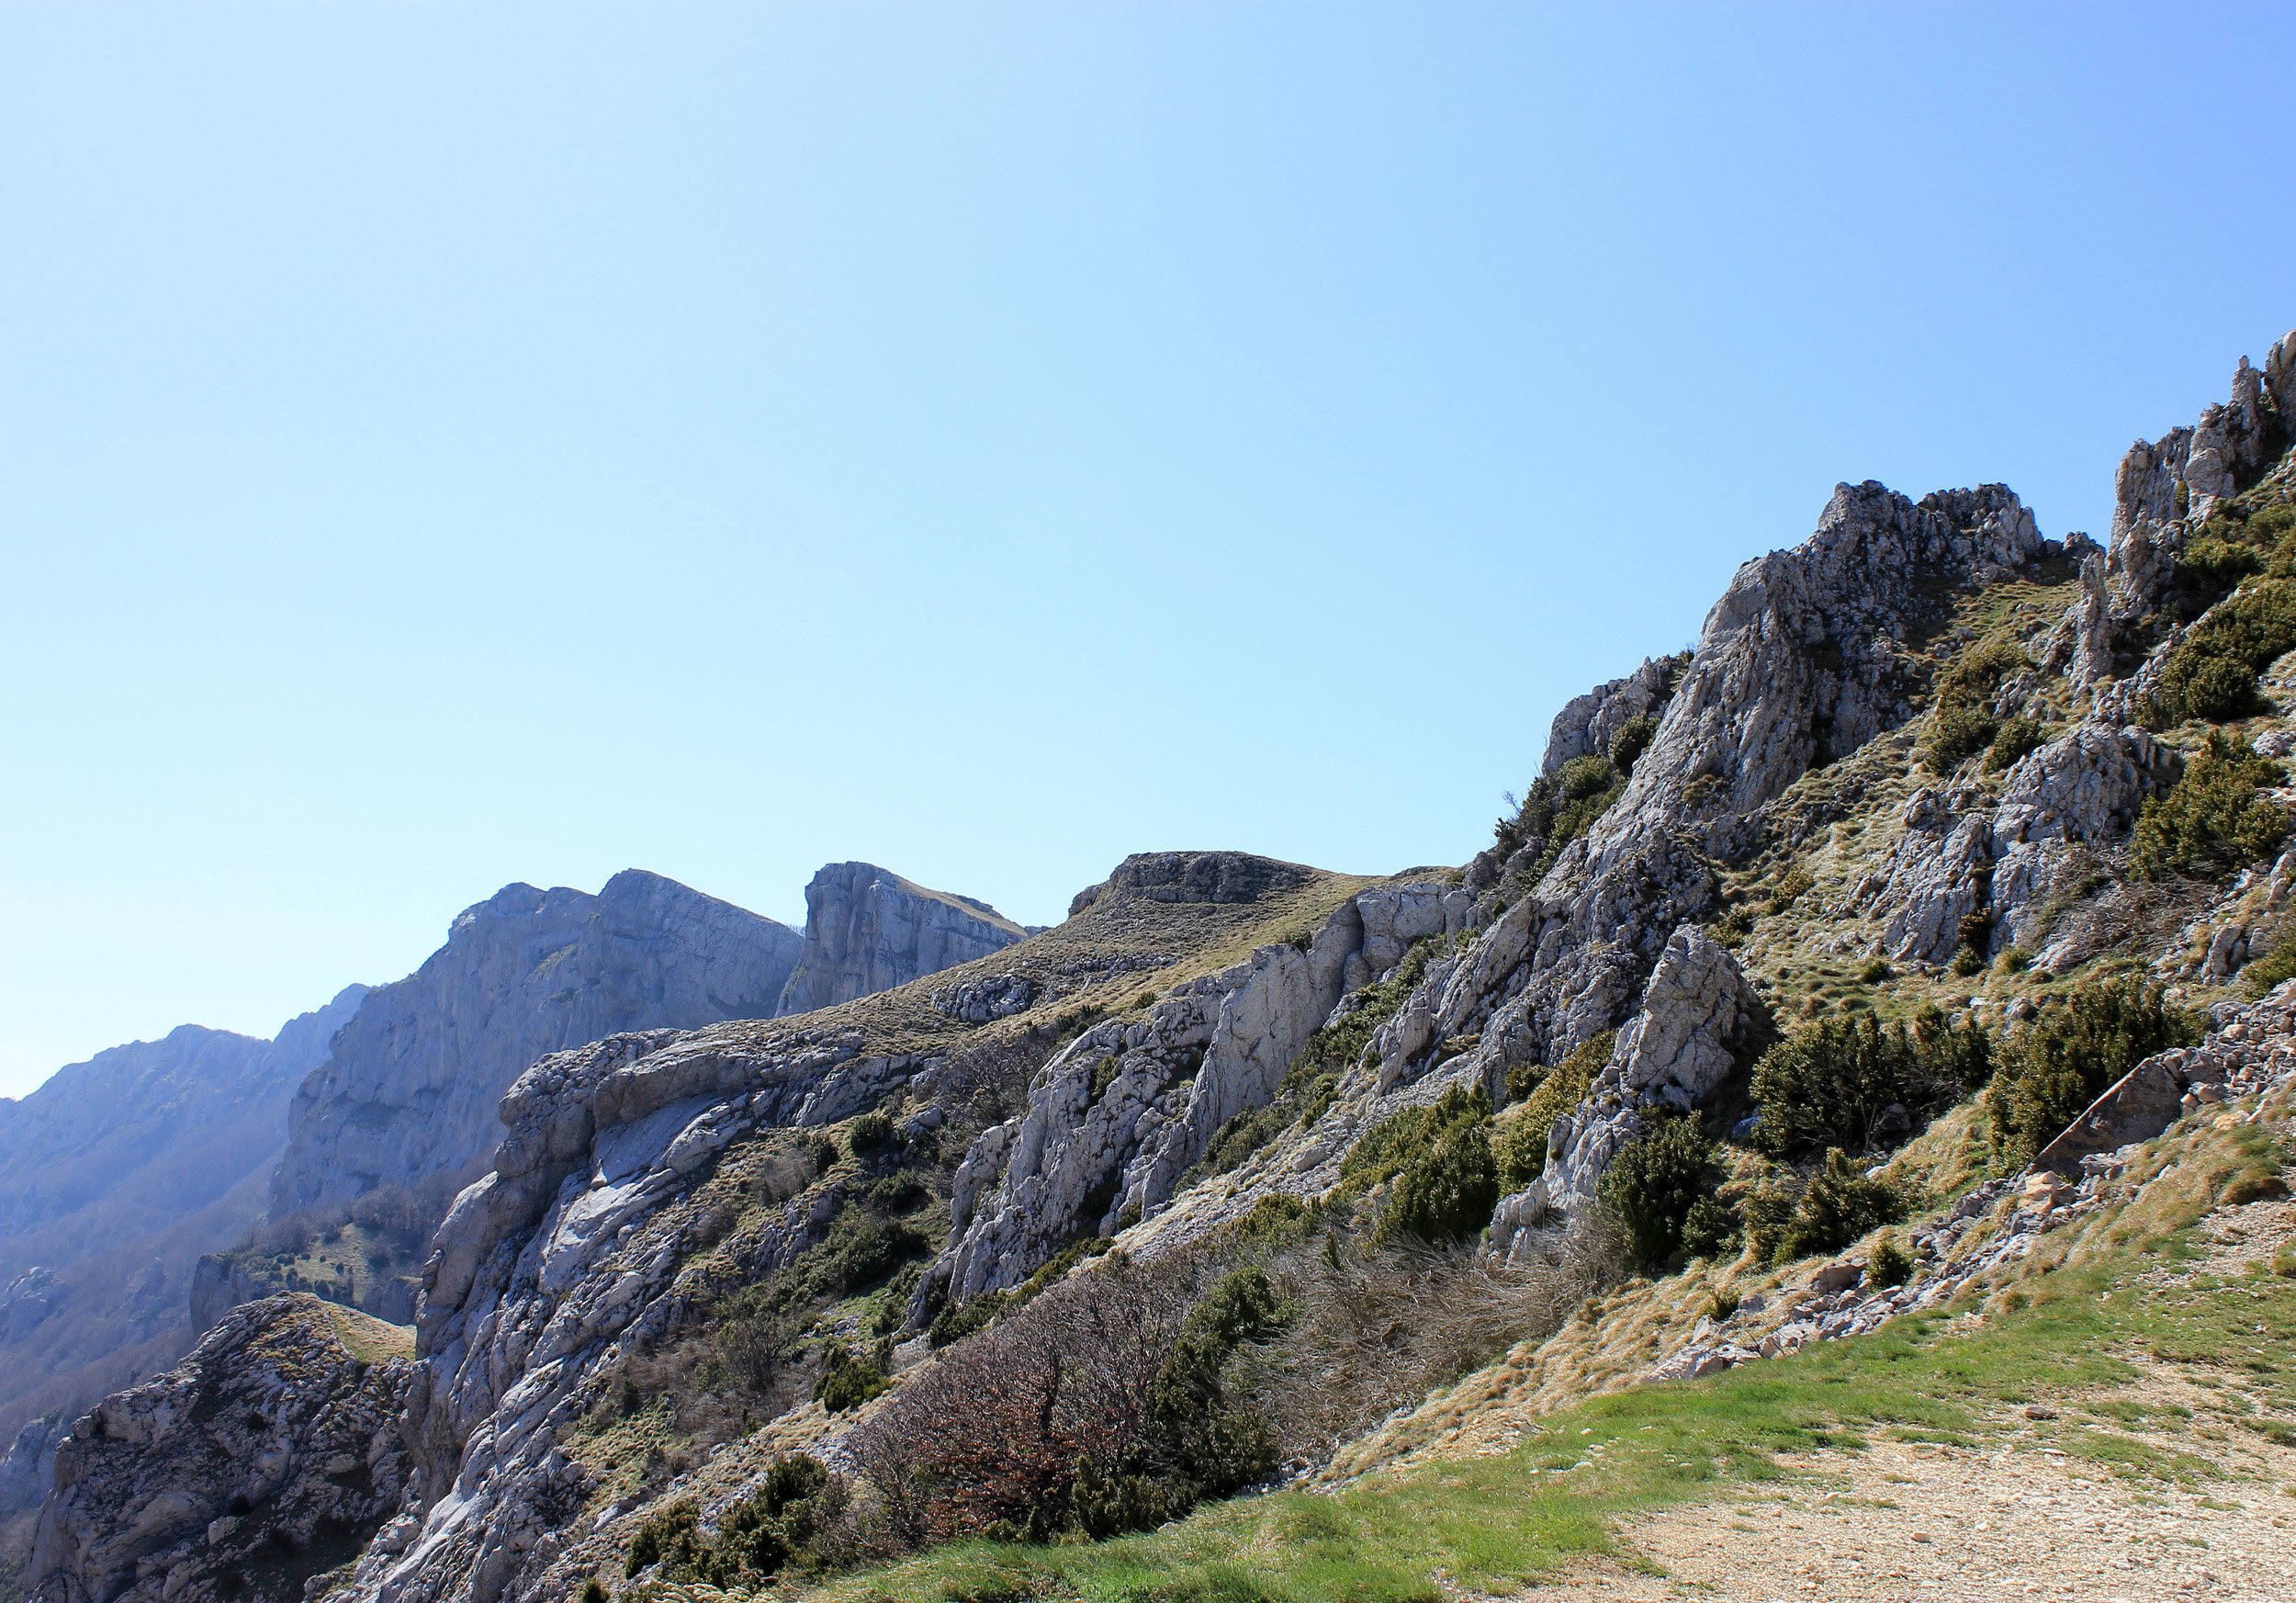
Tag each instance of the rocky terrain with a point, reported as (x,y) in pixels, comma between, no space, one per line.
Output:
(134,1189)
(115,1177)
(264,1458)
(1860,1033)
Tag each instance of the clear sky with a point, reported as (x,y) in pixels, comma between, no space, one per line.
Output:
(444,444)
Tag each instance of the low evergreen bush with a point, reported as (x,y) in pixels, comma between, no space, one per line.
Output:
(2056,1063)
(1654,1181)
(1855,1082)
(1838,1206)
(2216,820)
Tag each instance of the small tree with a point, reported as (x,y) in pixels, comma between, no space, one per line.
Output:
(2216,819)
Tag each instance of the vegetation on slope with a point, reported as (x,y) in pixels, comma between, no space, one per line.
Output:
(2052,1330)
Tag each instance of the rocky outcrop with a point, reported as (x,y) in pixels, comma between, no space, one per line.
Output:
(570,1250)
(1116,1119)
(1966,871)
(2165,487)
(30,1466)
(263,1459)
(869,929)
(1589,724)
(2249,1049)
(983,1001)
(1806,658)
(413,1084)
(1699,1021)
(1217,879)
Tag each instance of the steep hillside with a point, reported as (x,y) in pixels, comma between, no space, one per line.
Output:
(1853,1037)
(115,1176)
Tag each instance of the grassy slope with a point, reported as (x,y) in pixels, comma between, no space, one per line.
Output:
(1579,1476)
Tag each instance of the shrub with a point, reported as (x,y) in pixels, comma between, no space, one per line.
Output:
(2016,960)
(1709,1230)
(2215,820)
(1559,809)
(869,1133)
(2276,965)
(1630,740)
(1892,1265)
(1960,723)
(862,1250)
(1967,960)
(2016,737)
(1838,1206)
(848,1381)
(670,1536)
(2218,563)
(2211,673)
(1198,1441)
(1852,1082)
(1446,1181)
(756,1538)
(1104,1075)
(2061,1060)
(1956,731)
(1102,1402)
(1874,972)
(593,1590)
(1652,1183)
(1765,1213)
(1789,890)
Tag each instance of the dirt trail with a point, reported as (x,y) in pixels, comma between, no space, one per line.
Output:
(1899,1521)
(2010,1522)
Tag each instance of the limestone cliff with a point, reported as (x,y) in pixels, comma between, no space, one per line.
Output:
(869,929)
(411,1087)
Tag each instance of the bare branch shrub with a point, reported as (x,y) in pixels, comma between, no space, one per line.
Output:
(1372,1335)
(1001,1426)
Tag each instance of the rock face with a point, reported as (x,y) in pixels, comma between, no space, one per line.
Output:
(412,1085)
(1699,1021)
(1960,859)
(263,1459)
(869,929)
(2165,488)
(116,1175)
(1803,661)
(1123,1112)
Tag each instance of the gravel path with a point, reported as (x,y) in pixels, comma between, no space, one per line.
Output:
(1899,1521)
(2010,1522)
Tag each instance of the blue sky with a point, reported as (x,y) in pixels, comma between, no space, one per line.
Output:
(448,445)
